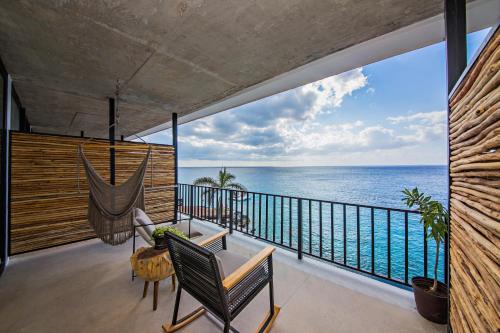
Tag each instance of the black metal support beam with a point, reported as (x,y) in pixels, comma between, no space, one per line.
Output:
(112,126)
(176,166)
(456,62)
(23,120)
(4,170)
(456,42)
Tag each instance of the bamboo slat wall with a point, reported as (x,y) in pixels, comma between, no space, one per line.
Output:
(475,196)
(49,199)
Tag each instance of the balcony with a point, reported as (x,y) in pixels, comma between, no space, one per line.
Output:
(86,287)
(77,74)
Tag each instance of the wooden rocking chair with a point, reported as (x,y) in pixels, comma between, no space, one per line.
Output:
(200,271)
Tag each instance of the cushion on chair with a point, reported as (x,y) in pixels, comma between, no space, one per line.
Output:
(141,220)
(228,262)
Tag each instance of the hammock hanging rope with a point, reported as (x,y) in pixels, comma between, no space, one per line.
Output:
(110,208)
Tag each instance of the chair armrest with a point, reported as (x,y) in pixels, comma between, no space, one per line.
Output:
(210,240)
(245,269)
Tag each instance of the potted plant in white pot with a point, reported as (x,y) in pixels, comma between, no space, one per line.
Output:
(431,296)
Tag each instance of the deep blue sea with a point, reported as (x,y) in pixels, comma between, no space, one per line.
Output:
(366,185)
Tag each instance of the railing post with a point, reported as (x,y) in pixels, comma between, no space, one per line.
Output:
(133,251)
(191,201)
(299,229)
(176,164)
(218,206)
(230,211)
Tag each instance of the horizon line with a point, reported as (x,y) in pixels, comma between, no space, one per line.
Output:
(318,166)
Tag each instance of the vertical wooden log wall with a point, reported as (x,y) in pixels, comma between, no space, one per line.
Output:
(475,196)
(48,208)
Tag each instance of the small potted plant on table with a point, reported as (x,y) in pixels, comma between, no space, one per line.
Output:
(161,240)
(431,296)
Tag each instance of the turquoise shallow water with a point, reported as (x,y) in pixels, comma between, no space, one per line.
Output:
(375,186)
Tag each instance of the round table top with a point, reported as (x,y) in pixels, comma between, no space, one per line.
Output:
(149,252)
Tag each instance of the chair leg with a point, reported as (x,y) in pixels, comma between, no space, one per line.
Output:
(145,291)
(271,297)
(227,326)
(265,325)
(176,306)
(184,321)
(155,296)
(176,325)
(173,282)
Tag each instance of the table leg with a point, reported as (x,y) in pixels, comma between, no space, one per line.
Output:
(155,299)
(145,291)
(173,282)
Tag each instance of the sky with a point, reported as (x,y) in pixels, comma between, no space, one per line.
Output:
(391,112)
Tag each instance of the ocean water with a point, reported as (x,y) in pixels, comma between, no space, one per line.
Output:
(379,186)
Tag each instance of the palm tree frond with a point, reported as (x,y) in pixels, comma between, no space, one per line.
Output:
(206,181)
(225,177)
(224,181)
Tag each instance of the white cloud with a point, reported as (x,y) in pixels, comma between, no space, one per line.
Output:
(434,117)
(423,126)
(330,92)
(287,139)
(290,127)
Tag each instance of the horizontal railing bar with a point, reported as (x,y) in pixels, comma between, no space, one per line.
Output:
(323,201)
(358,270)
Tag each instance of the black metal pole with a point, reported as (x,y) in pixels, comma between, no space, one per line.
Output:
(4,170)
(82,134)
(23,121)
(456,42)
(456,62)
(176,160)
(112,126)
(299,228)
(230,211)
(191,202)
(133,251)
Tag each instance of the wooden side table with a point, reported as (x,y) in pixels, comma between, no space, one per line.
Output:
(152,266)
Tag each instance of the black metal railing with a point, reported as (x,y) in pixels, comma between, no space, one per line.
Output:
(387,243)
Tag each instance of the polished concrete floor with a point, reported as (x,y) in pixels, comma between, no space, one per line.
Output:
(86,287)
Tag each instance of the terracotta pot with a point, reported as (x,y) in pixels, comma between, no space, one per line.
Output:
(432,306)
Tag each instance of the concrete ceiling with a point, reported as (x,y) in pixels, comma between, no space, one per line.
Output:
(172,56)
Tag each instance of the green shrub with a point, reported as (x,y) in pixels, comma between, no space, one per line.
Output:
(435,219)
(161,230)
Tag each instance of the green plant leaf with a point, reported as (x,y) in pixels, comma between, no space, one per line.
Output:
(160,231)
(434,217)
